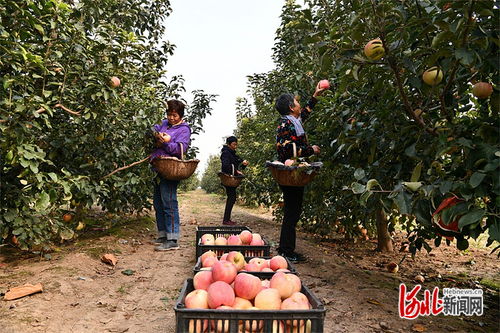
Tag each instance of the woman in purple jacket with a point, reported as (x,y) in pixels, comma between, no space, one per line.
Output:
(171,136)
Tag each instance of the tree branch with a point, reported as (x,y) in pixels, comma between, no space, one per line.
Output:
(126,167)
(42,110)
(399,82)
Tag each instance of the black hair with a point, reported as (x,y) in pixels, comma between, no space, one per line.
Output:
(231,139)
(177,106)
(284,103)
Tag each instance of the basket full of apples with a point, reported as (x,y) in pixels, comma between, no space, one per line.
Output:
(294,172)
(222,241)
(263,267)
(226,301)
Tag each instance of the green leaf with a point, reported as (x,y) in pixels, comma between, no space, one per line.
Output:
(359,174)
(18,231)
(476,179)
(412,186)
(371,183)
(43,201)
(494,231)
(358,188)
(471,217)
(39,28)
(403,202)
(415,175)
(66,234)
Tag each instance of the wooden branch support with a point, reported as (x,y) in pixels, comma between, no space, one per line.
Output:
(126,167)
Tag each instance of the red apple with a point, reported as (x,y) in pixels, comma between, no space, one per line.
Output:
(207,254)
(114,82)
(251,267)
(246,237)
(207,239)
(234,240)
(220,293)
(482,90)
(209,262)
(261,263)
(324,84)
(247,286)
(202,280)
(278,262)
(220,241)
(224,257)
(224,271)
(197,299)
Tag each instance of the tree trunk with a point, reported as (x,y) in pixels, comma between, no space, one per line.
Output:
(384,238)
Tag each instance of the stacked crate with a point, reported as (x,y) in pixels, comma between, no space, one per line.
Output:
(244,321)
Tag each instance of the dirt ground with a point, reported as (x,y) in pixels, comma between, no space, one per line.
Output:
(82,294)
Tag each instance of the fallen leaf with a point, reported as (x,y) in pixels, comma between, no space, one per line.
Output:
(372,301)
(109,259)
(419,328)
(18,292)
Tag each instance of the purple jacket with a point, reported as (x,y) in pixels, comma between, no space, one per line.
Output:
(180,133)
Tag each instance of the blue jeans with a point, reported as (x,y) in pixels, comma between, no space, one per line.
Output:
(166,208)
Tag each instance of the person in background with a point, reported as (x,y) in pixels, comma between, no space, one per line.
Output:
(290,131)
(230,165)
(170,135)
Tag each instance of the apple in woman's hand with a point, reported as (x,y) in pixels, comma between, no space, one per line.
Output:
(324,84)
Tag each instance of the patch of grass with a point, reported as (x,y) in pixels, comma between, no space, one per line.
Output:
(492,284)
(63,270)
(123,289)
(96,252)
(17,275)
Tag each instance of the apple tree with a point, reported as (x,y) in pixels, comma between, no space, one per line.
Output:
(394,147)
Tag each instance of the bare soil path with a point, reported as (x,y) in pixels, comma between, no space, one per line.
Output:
(82,294)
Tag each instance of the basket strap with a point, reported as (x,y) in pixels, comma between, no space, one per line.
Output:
(232,166)
(294,149)
(182,150)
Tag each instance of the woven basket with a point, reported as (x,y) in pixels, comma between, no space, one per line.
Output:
(292,175)
(172,168)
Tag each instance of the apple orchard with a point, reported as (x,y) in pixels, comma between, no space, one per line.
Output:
(410,119)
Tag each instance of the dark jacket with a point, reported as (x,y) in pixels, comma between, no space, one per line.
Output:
(286,135)
(229,158)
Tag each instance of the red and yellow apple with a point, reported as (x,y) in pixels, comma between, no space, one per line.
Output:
(220,293)
(278,262)
(197,299)
(374,49)
(237,259)
(207,239)
(247,286)
(114,82)
(268,299)
(224,271)
(324,84)
(433,76)
(234,240)
(220,241)
(246,237)
(202,280)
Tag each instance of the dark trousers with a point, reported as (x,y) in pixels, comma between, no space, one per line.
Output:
(292,197)
(231,199)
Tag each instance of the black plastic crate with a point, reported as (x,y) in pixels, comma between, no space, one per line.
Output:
(230,319)
(246,250)
(262,275)
(224,231)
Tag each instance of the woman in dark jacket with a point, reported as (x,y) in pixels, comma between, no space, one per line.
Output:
(230,164)
(290,131)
